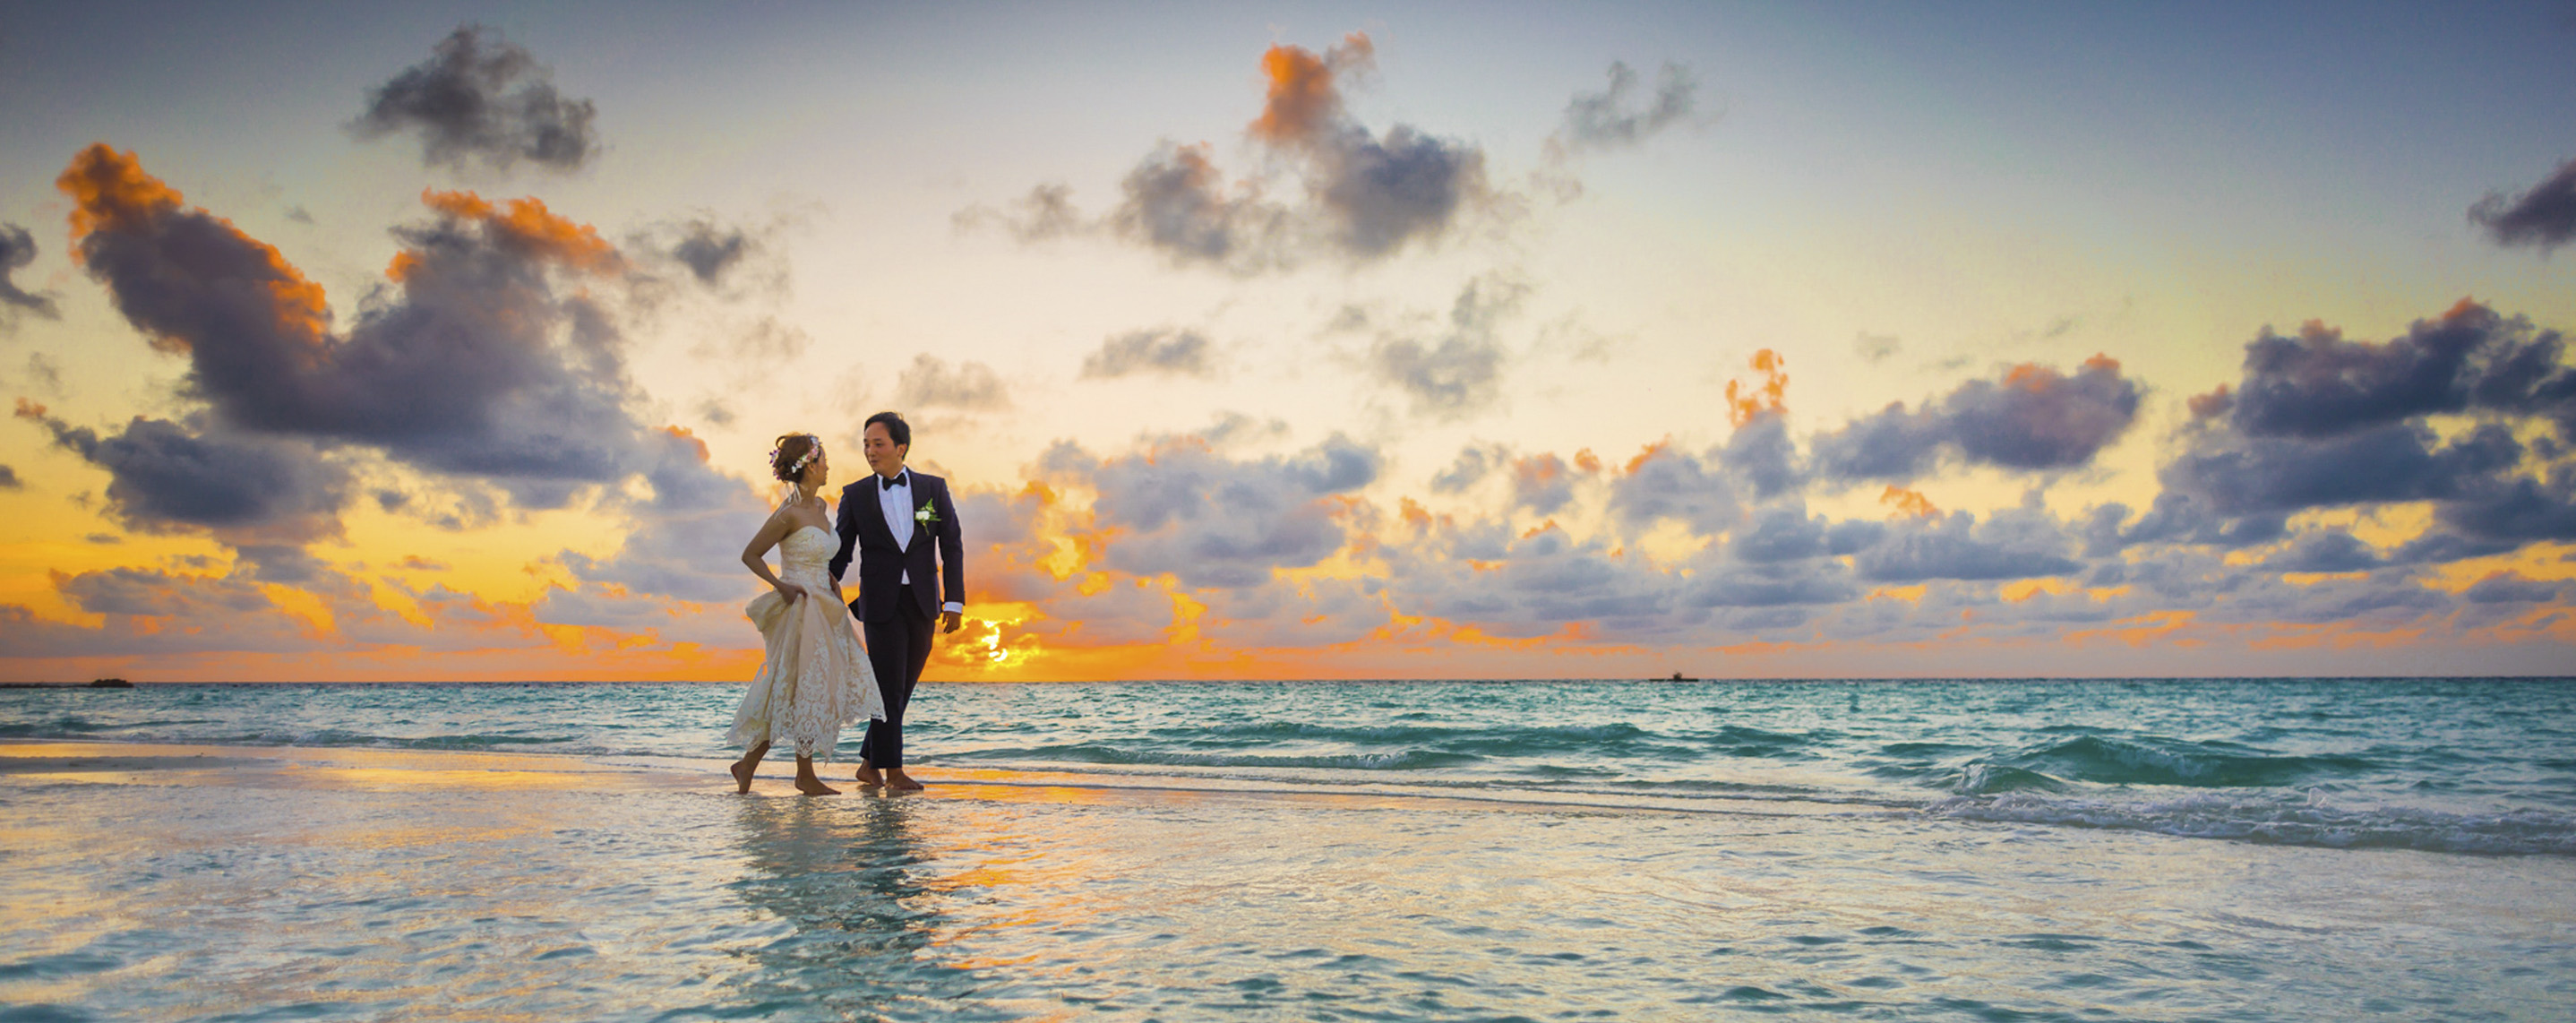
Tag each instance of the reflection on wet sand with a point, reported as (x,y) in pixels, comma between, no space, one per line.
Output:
(858,927)
(375,885)
(340,889)
(366,770)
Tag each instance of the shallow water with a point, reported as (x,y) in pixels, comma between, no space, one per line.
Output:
(2257,851)
(2458,765)
(305,888)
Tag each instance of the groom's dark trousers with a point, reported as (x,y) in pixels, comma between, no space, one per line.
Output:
(901,589)
(897,650)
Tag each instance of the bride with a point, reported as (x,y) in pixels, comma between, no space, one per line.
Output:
(815,676)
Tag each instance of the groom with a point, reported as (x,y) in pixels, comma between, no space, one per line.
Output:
(894,519)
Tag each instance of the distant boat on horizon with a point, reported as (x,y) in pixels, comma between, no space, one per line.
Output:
(96,683)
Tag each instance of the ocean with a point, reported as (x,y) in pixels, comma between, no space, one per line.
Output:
(2276,849)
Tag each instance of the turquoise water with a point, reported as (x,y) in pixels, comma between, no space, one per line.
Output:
(2456,765)
(2246,850)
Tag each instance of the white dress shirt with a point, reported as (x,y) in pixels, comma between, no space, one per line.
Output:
(896,503)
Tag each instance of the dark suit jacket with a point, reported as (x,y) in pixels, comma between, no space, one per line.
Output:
(882,565)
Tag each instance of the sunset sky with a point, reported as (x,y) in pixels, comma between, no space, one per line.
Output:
(435,342)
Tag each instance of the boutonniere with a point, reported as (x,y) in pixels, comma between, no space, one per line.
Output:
(926,515)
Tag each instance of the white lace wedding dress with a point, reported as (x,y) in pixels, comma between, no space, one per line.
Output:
(816,676)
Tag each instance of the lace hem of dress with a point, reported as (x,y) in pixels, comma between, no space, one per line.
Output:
(814,677)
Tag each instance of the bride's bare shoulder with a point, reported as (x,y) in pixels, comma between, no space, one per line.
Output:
(797,511)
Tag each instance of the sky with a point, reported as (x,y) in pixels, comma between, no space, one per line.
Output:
(448,342)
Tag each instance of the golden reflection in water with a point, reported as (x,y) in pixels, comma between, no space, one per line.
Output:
(338,880)
(909,884)
(1067,794)
(1026,876)
(342,890)
(841,874)
(370,770)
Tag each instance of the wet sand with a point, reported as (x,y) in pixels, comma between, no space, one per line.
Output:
(186,882)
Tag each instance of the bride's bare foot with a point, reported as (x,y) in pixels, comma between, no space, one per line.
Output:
(869,776)
(807,783)
(750,762)
(814,786)
(899,781)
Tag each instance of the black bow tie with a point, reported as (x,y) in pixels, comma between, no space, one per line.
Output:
(890,482)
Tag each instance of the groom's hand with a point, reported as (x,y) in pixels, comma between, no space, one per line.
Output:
(948,621)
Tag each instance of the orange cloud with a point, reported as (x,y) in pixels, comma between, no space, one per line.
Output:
(682,433)
(1648,453)
(111,196)
(1303,99)
(2038,379)
(2551,623)
(1186,612)
(1538,470)
(989,645)
(2215,403)
(1907,503)
(1418,631)
(2153,627)
(1745,403)
(110,192)
(529,227)
(2334,635)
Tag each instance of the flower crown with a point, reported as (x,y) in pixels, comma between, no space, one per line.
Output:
(797,468)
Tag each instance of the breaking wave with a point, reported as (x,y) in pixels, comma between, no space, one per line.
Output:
(2284,821)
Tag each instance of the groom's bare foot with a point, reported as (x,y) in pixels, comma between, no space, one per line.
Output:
(742,776)
(899,781)
(814,786)
(869,776)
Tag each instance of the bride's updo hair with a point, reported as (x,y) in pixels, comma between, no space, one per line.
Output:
(787,461)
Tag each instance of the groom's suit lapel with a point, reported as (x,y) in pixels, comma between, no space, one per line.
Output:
(922,498)
(861,498)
